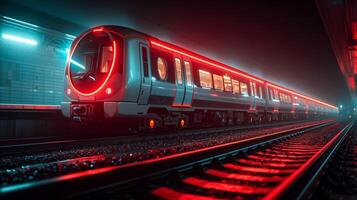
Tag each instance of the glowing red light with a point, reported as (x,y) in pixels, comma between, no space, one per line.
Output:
(108,90)
(226,186)
(221,66)
(182,123)
(86,173)
(276,193)
(167,193)
(303,96)
(106,79)
(204,61)
(181,105)
(98,30)
(152,123)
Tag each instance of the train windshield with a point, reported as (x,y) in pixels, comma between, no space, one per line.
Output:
(92,61)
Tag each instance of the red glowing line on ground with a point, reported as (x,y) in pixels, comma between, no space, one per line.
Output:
(243,177)
(167,193)
(106,79)
(279,190)
(204,61)
(268,170)
(226,187)
(303,96)
(85,173)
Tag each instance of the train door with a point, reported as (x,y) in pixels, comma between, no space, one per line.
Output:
(145,74)
(180,87)
(188,84)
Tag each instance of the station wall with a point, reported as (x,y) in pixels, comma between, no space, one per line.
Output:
(32,73)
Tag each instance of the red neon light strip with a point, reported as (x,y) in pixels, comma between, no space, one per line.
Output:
(235,72)
(29,107)
(85,173)
(97,29)
(226,187)
(106,79)
(204,61)
(303,96)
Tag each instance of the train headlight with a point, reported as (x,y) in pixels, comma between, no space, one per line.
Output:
(68,91)
(108,90)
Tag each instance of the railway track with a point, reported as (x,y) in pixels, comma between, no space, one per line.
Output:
(38,144)
(273,171)
(337,177)
(188,170)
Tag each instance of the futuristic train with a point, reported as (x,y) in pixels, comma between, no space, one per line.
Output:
(116,73)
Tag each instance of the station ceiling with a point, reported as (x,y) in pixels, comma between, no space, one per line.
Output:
(340,20)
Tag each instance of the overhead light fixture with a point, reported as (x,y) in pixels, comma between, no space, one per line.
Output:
(19,21)
(19,39)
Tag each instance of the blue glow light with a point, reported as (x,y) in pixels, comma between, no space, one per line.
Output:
(20,22)
(19,39)
(16,187)
(70,36)
(77,64)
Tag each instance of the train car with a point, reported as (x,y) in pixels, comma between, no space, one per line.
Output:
(116,73)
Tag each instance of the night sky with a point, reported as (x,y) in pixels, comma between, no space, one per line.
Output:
(284,42)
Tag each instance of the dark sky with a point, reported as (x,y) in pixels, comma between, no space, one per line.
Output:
(282,41)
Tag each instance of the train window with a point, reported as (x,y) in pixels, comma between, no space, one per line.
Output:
(178,69)
(253,90)
(205,79)
(271,94)
(244,89)
(188,73)
(276,94)
(227,84)
(162,68)
(145,61)
(235,85)
(294,99)
(260,92)
(218,82)
(107,58)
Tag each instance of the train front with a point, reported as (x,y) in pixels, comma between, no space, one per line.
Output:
(92,74)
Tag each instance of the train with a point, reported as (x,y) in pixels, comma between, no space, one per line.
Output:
(118,74)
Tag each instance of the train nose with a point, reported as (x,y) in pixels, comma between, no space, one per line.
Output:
(92,61)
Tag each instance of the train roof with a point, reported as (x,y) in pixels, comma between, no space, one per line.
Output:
(127,32)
